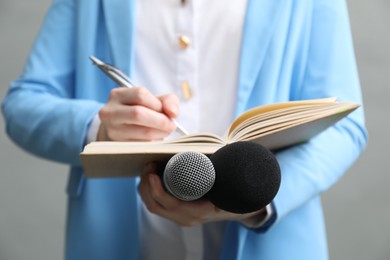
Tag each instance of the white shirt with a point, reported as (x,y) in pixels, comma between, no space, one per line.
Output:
(179,48)
(195,44)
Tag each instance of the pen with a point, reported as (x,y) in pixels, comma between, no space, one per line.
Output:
(123,80)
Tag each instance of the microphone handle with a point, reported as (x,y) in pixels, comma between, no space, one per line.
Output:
(160,168)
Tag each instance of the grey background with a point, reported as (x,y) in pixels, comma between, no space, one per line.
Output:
(32,197)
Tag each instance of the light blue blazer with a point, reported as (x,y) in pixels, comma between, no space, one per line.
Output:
(290,50)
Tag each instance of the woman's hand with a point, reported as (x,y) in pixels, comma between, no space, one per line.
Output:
(185,213)
(135,114)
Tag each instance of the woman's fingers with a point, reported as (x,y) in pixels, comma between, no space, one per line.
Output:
(136,114)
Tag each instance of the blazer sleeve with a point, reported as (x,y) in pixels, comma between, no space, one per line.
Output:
(40,110)
(330,71)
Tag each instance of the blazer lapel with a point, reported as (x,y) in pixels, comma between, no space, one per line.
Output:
(258,30)
(120,21)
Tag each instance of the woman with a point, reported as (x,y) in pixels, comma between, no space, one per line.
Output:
(250,53)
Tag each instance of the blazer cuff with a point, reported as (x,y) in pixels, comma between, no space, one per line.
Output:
(93,130)
(264,221)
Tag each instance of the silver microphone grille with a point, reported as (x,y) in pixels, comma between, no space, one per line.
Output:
(189,175)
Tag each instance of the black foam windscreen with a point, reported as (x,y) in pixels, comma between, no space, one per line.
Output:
(247,177)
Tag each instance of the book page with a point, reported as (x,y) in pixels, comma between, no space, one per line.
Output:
(202,138)
(298,130)
(193,141)
(260,124)
(264,110)
(273,117)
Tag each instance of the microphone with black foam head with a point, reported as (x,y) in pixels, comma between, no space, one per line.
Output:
(241,177)
(248,177)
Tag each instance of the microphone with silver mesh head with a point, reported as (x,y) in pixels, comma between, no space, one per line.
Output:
(189,175)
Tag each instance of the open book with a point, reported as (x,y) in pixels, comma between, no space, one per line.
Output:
(274,126)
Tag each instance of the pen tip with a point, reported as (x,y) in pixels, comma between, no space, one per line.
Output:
(95,60)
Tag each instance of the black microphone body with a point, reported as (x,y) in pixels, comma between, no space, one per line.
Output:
(245,177)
